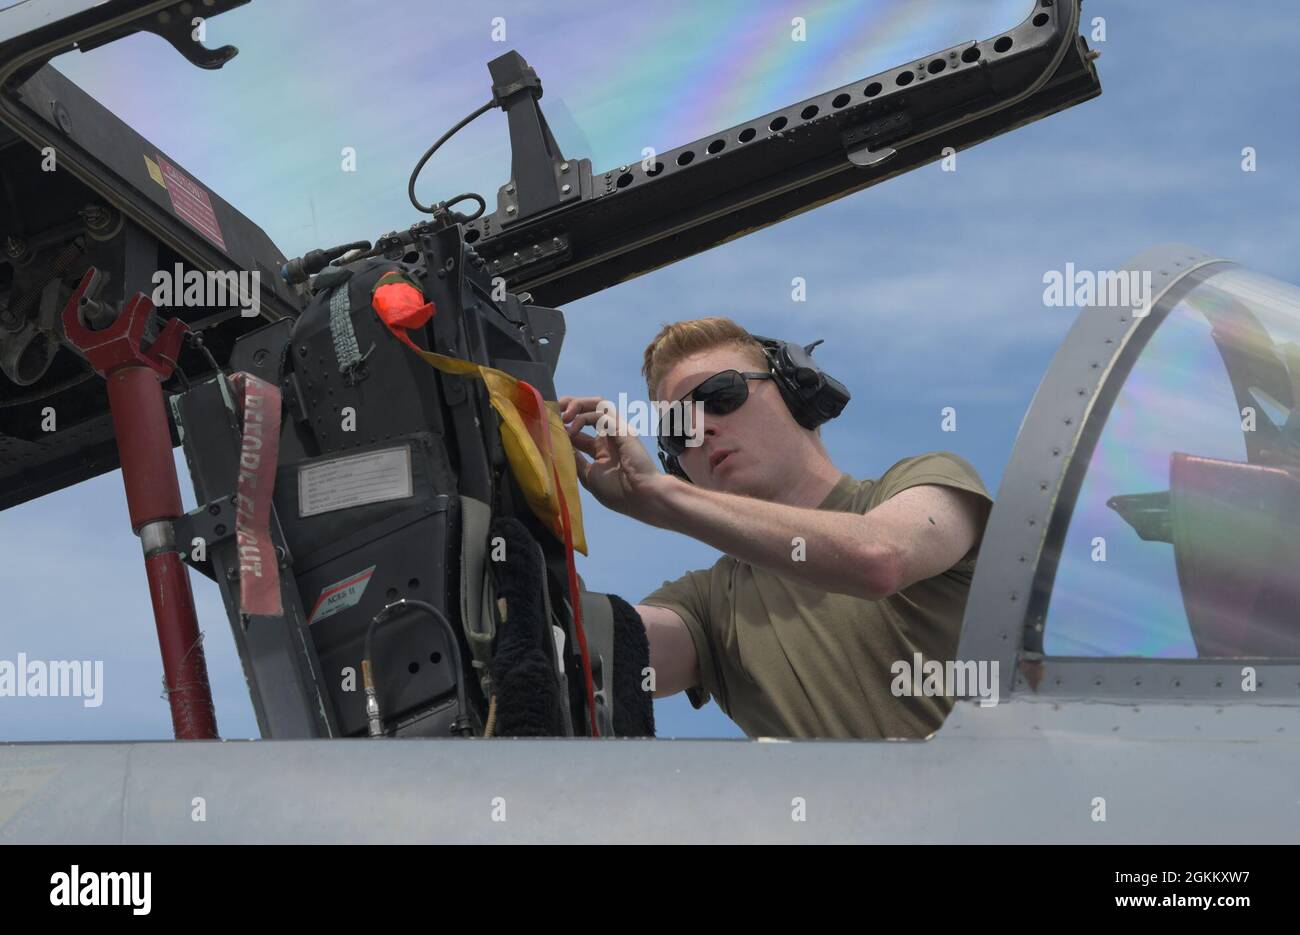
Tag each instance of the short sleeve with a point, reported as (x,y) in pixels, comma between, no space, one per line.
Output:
(936,467)
(688,597)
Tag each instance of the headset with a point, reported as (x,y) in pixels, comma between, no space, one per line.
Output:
(811,395)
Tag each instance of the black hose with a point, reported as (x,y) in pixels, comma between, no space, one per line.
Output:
(415,174)
(461,723)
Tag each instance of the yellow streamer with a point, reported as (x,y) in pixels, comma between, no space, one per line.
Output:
(532,470)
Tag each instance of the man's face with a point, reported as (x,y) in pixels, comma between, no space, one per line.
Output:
(738,451)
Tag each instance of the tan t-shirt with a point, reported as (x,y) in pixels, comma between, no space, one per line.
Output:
(784,659)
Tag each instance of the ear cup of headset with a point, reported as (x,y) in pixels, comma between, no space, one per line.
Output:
(812,396)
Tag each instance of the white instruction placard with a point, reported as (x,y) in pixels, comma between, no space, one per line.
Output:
(353,480)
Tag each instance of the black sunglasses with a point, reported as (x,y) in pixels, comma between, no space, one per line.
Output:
(721,393)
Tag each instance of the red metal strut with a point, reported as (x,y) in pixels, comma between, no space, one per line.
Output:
(134,377)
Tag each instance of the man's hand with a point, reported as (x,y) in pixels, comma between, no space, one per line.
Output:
(620,473)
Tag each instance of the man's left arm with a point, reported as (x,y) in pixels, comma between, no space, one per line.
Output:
(918,533)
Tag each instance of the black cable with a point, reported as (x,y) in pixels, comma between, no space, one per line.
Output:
(415,174)
(195,340)
(45,392)
(179,374)
(462,720)
(442,206)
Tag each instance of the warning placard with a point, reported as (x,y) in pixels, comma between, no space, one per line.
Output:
(340,595)
(354,480)
(190,201)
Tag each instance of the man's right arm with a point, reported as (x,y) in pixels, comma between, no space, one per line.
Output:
(673,657)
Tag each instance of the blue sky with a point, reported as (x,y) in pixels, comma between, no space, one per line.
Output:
(927,288)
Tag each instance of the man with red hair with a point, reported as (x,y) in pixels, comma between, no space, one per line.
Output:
(826,583)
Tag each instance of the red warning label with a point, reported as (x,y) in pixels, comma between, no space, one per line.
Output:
(340,596)
(191,203)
